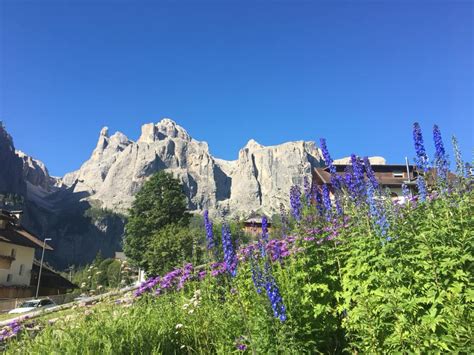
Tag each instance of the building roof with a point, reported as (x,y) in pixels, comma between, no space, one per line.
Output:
(322,175)
(255,220)
(383,168)
(49,277)
(16,234)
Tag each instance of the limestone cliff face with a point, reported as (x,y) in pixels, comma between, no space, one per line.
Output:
(259,180)
(11,167)
(262,176)
(51,209)
(39,184)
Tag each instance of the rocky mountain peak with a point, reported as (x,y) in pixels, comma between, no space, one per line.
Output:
(162,130)
(252,144)
(104,132)
(170,129)
(117,142)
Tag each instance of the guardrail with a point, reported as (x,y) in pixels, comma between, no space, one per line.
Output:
(86,301)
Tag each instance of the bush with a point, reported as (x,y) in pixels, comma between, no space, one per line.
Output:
(171,246)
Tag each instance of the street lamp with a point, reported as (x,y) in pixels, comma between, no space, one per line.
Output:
(41,266)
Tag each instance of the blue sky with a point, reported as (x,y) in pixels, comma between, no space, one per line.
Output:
(357,73)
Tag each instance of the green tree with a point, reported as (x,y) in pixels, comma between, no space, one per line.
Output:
(160,202)
(170,247)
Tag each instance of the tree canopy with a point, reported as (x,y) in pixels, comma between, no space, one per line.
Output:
(161,201)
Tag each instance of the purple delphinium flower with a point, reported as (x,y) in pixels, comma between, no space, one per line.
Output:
(295,202)
(421,157)
(241,347)
(202,274)
(327,201)
(370,173)
(348,180)
(318,198)
(11,330)
(441,160)
(186,275)
(257,276)
(377,212)
(278,250)
(350,183)
(273,294)
(147,286)
(169,280)
(421,184)
(405,192)
(326,156)
(209,232)
(276,255)
(247,251)
(264,228)
(358,174)
(217,269)
(229,254)
(240,343)
(336,180)
(307,190)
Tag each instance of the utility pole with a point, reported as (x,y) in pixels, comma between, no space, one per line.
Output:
(41,266)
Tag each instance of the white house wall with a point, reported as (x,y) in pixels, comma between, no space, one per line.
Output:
(24,256)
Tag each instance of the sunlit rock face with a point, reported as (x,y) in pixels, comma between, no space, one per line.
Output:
(259,180)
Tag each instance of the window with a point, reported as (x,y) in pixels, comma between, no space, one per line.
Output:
(45,303)
(397,174)
(13,253)
(9,278)
(21,269)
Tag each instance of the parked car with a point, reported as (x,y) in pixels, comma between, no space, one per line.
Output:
(33,305)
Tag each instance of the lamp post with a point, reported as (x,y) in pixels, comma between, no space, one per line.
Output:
(41,266)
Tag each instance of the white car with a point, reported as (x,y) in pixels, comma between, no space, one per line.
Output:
(33,305)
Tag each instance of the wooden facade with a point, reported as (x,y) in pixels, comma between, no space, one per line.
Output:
(391,176)
(253,226)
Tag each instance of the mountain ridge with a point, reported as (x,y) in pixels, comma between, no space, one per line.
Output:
(83,212)
(258,180)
